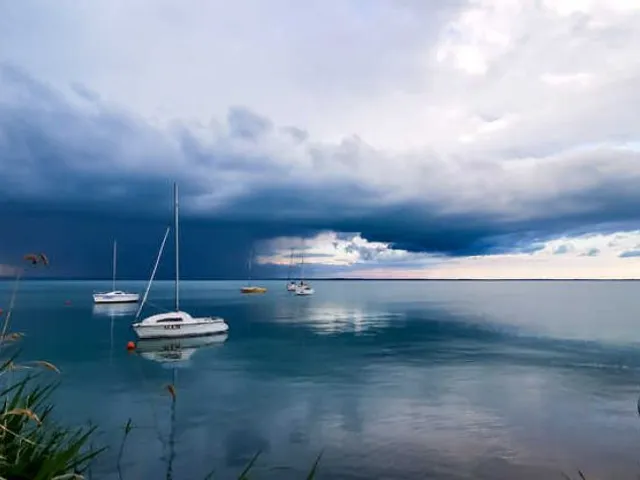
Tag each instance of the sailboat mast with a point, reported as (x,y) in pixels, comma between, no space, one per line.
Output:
(113,280)
(301,266)
(177,244)
(290,266)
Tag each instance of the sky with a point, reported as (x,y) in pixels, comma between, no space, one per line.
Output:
(382,139)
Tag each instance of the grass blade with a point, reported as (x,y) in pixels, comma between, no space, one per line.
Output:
(314,469)
(243,475)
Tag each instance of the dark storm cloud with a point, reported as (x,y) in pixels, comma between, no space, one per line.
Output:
(80,244)
(77,172)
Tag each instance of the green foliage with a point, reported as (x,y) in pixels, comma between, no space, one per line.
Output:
(245,472)
(32,446)
(314,469)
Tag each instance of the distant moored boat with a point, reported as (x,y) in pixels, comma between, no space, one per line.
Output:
(303,288)
(291,284)
(115,296)
(251,288)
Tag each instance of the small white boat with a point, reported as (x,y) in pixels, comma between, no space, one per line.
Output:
(291,285)
(304,290)
(176,324)
(115,296)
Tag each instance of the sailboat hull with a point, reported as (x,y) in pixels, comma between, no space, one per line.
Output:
(303,291)
(195,329)
(115,297)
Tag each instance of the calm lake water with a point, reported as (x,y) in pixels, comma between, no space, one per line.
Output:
(451,380)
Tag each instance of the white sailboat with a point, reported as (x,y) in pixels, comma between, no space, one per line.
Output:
(291,285)
(303,288)
(177,323)
(115,296)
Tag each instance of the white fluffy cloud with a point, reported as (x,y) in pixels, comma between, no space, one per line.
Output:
(339,250)
(395,73)
(613,256)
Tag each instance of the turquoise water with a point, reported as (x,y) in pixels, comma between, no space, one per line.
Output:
(495,380)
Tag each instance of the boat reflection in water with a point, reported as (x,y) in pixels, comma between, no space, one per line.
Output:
(175,350)
(174,353)
(114,309)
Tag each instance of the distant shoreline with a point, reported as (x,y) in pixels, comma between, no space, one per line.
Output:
(64,279)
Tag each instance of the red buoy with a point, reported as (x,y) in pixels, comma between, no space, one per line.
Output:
(131,346)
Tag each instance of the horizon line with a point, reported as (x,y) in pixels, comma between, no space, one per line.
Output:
(330,279)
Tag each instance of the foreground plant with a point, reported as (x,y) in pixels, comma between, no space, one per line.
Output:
(32,446)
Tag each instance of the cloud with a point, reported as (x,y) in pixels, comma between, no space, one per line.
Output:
(582,257)
(471,128)
(102,157)
(591,245)
(340,250)
(562,249)
(630,254)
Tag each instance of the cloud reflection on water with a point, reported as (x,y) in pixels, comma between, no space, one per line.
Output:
(329,318)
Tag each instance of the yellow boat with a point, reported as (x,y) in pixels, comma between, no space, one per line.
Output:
(253,290)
